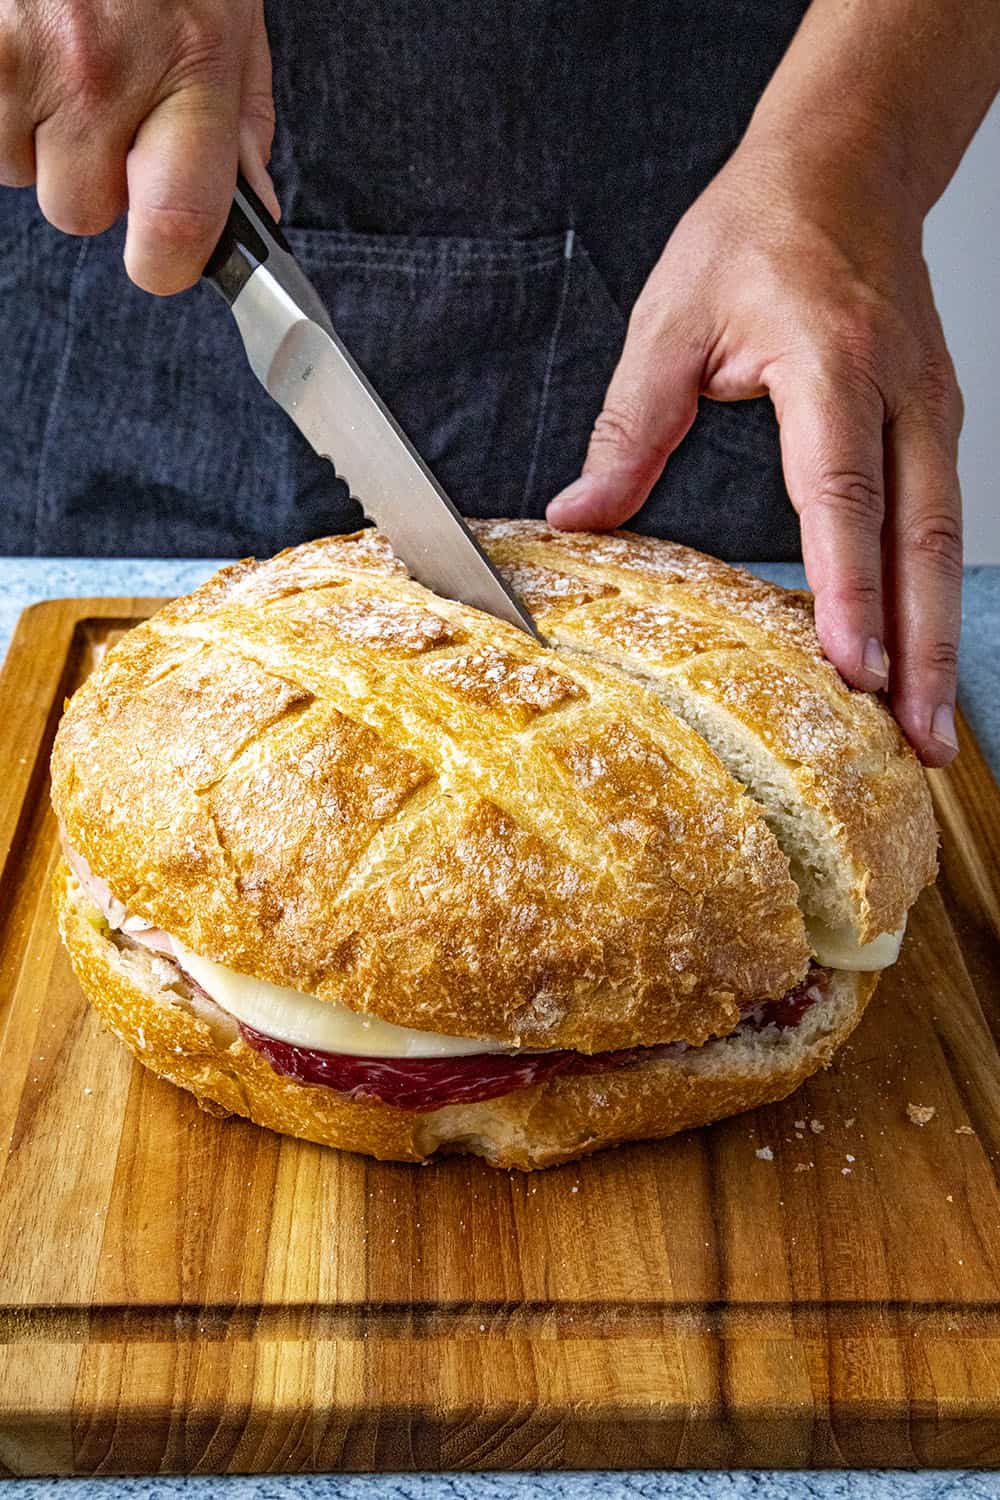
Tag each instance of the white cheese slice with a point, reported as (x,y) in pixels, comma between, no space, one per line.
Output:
(837,948)
(305,1021)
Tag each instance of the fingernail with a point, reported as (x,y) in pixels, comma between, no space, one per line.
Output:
(876,658)
(270,196)
(581,489)
(943,726)
(261,181)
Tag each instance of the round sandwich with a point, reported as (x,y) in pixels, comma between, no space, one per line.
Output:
(373,868)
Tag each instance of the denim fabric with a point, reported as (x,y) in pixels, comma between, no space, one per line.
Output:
(478,202)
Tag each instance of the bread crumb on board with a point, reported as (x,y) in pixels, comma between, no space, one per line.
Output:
(920,1114)
(964,1130)
(764,1153)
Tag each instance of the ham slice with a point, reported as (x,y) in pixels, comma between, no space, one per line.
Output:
(113,910)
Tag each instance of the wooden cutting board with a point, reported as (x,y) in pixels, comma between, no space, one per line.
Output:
(181,1293)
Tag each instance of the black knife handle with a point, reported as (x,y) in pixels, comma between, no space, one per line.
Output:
(246,243)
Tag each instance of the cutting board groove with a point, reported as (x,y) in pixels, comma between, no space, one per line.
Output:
(180,1293)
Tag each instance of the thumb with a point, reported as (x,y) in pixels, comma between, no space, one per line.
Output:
(257,113)
(649,406)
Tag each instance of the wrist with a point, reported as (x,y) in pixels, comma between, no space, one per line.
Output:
(870,95)
(837,167)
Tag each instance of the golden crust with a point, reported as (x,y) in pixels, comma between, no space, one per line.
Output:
(706,630)
(539,1126)
(315,771)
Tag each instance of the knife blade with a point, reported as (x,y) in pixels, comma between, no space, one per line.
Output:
(300,360)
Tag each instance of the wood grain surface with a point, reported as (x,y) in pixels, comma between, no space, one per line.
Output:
(180,1293)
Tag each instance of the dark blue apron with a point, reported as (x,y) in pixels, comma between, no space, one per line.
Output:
(479,202)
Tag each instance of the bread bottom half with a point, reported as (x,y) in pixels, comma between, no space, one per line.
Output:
(146,1002)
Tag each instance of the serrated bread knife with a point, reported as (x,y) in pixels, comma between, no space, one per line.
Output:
(296,354)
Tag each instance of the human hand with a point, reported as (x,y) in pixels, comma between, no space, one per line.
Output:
(816,293)
(146,106)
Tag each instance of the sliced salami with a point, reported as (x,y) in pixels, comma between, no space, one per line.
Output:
(425,1083)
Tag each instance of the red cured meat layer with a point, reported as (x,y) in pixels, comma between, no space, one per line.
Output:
(425,1083)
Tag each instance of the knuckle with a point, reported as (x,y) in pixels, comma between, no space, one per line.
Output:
(202,51)
(860,333)
(618,429)
(852,343)
(646,320)
(258,106)
(835,374)
(661,317)
(940,396)
(929,397)
(860,379)
(939,656)
(857,589)
(620,441)
(180,226)
(257,109)
(86,70)
(936,539)
(851,496)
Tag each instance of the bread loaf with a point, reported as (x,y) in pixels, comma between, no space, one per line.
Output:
(316,772)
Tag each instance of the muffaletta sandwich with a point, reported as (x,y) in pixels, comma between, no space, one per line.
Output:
(375,869)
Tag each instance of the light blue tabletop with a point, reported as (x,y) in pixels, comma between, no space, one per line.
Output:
(959,1484)
(24,580)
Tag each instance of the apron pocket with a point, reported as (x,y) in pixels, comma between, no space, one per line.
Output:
(157,440)
(492,354)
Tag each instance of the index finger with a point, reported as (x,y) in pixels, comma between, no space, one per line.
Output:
(832,455)
(181,178)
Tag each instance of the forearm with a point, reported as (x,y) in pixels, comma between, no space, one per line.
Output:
(885,88)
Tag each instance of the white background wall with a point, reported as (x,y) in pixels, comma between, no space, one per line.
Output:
(962,245)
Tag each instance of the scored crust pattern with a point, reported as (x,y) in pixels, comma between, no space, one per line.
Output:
(712,638)
(314,770)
